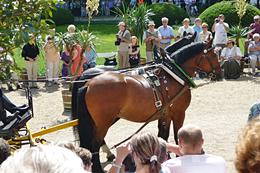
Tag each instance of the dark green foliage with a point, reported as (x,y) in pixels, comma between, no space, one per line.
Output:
(228,9)
(174,13)
(62,16)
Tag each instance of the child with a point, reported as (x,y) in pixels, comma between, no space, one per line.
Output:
(90,57)
(65,58)
(134,52)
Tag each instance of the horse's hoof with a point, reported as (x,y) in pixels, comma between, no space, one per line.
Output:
(111,157)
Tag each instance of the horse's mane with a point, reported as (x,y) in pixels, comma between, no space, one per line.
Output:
(187,52)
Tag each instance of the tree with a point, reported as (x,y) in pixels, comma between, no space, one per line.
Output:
(19,18)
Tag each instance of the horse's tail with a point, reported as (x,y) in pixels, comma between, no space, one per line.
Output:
(86,125)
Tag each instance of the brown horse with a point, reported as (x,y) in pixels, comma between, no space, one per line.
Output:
(112,95)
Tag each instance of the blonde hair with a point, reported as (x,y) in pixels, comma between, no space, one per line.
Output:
(147,148)
(42,159)
(134,37)
(248,149)
(71,28)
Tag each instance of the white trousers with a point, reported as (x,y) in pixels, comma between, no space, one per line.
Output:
(52,70)
(253,60)
(32,69)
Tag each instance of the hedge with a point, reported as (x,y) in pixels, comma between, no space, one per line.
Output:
(62,16)
(174,13)
(228,9)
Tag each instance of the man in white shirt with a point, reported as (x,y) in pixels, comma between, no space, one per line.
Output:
(166,33)
(220,28)
(193,160)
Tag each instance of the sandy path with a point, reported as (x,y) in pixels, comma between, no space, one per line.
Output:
(220,109)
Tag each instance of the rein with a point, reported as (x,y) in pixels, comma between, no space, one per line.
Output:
(162,110)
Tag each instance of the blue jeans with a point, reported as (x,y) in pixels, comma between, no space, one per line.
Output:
(90,65)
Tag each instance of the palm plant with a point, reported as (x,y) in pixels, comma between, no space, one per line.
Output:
(237,32)
(136,18)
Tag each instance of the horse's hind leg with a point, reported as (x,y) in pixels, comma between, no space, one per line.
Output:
(105,149)
(96,168)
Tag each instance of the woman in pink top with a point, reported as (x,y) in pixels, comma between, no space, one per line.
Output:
(76,60)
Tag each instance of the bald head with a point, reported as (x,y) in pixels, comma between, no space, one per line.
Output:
(190,135)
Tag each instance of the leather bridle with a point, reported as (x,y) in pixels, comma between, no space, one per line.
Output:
(212,74)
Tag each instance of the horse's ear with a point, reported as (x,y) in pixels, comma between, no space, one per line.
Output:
(194,36)
(209,43)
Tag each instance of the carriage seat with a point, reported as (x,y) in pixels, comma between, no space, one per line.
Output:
(9,129)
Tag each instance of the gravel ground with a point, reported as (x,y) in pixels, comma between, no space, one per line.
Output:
(219,108)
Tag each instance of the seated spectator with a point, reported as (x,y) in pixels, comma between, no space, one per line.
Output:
(254,51)
(134,52)
(166,32)
(186,29)
(197,28)
(43,159)
(5,150)
(53,60)
(247,158)
(6,61)
(6,104)
(146,156)
(90,57)
(193,160)
(255,27)
(231,57)
(254,111)
(205,35)
(151,38)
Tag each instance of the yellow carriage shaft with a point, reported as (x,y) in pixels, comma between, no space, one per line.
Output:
(31,136)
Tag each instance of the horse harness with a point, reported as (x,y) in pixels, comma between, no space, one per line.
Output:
(155,84)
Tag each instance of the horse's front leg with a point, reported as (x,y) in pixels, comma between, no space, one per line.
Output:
(178,120)
(164,127)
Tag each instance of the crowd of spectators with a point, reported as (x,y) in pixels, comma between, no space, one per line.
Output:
(129,50)
(70,56)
